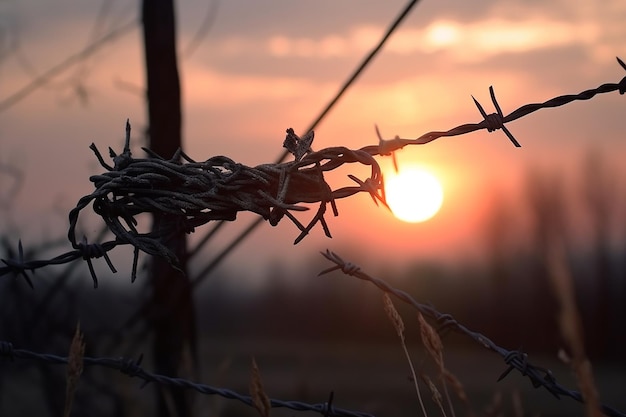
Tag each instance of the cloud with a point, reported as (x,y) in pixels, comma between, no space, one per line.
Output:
(355,42)
(426,97)
(465,41)
(211,87)
(470,41)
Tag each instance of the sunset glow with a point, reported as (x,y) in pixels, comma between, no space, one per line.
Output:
(262,69)
(413,194)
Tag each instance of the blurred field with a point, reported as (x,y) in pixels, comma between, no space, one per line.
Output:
(364,377)
(375,379)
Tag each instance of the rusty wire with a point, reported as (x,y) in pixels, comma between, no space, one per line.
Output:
(133,368)
(194,193)
(514,359)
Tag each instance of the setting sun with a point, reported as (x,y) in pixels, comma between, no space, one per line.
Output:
(413,194)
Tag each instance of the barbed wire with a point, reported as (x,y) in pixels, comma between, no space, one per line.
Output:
(133,368)
(497,120)
(514,359)
(194,193)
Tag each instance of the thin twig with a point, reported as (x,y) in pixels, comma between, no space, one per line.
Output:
(32,86)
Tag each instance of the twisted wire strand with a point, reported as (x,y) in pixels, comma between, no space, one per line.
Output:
(515,359)
(497,120)
(194,193)
(132,368)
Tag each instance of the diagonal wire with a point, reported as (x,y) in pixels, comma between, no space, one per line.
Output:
(204,272)
(540,377)
(394,25)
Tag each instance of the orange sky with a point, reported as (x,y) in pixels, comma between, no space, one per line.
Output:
(261,70)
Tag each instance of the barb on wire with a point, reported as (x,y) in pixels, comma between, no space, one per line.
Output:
(495,121)
(539,377)
(133,368)
(83,250)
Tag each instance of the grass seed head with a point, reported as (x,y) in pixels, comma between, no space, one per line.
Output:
(74,368)
(393,315)
(431,341)
(260,400)
(456,385)
(436,395)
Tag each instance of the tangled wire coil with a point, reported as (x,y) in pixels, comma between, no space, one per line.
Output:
(191,193)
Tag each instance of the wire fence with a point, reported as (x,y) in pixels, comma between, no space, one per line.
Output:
(195,193)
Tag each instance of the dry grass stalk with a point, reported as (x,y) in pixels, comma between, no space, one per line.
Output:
(458,389)
(571,328)
(394,316)
(398,324)
(260,400)
(436,395)
(74,369)
(434,347)
(432,341)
